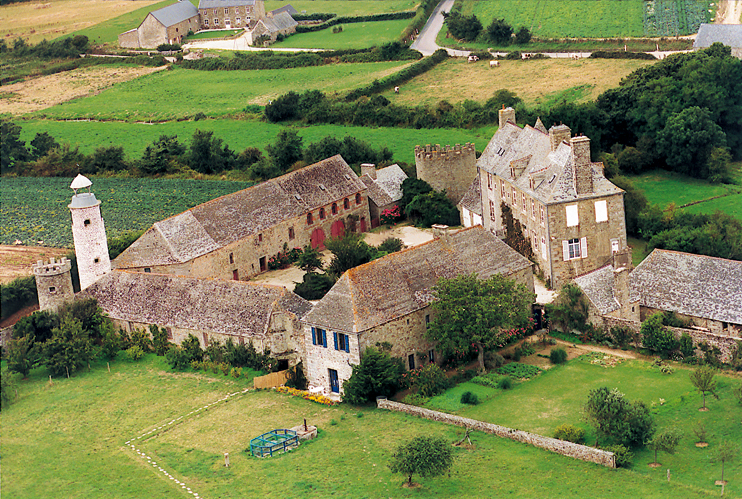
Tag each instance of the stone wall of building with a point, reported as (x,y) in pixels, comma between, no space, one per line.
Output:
(234,17)
(449,168)
(151,32)
(406,335)
(320,359)
(91,244)
(129,39)
(714,326)
(177,32)
(54,283)
(569,449)
(726,344)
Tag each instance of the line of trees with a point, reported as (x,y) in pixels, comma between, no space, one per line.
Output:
(470,29)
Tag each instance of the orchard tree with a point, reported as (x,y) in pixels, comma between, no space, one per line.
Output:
(725,452)
(426,456)
(665,441)
(472,311)
(378,374)
(703,379)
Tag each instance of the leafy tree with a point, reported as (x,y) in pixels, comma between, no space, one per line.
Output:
(471,311)
(499,32)
(159,339)
(249,157)
(429,380)
(614,416)
(424,455)
(640,425)
(20,355)
(391,245)
(466,28)
(283,108)
(348,251)
(160,156)
(725,452)
(523,36)
(314,285)
(110,340)
(433,208)
(686,346)
(514,233)
(8,387)
(687,141)
(69,348)
(106,159)
(718,165)
(38,326)
(286,150)
(41,144)
(207,155)
(86,311)
(309,259)
(656,337)
(700,431)
(569,311)
(703,380)
(192,348)
(12,149)
(411,187)
(665,441)
(378,374)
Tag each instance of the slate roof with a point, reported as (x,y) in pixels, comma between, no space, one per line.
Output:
(695,285)
(728,34)
(598,286)
(175,13)
(222,221)
(552,171)
(212,305)
(401,283)
(286,8)
(280,21)
(387,188)
(223,4)
(472,199)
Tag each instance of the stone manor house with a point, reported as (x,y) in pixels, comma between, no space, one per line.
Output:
(172,24)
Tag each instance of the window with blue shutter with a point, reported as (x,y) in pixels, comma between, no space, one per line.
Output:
(319,337)
(335,337)
(314,337)
(324,338)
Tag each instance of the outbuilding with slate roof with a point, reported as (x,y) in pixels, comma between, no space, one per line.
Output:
(167,25)
(470,206)
(384,188)
(388,301)
(727,34)
(235,236)
(570,212)
(210,309)
(703,289)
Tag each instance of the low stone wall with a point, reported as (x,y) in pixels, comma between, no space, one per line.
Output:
(726,344)
(569,449)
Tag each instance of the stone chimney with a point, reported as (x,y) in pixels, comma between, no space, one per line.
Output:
(507,114)
(368,169)
(440,231)
(621,285)
(583,168)
(559,134)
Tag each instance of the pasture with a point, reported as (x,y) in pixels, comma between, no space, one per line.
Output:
(79,449)
(344,7)
(181,93)
(239,134)
(539,82)
(353,36)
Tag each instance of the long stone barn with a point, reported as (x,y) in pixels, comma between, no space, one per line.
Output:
(388,301)
(210,309)
(234,236)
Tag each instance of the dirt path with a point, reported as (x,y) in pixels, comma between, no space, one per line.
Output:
(47,91)
(729,12)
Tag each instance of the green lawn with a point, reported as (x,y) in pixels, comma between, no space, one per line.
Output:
(353,36)
(67,440)
(345,7)
(181,93)
(556,397)
(239,134)
(212,34)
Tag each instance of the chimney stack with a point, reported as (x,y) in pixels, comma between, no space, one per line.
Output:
(559,134)
(507,114)
(583,169)
(440,231)
(368,169)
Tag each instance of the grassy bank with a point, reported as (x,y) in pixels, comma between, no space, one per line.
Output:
(353,36)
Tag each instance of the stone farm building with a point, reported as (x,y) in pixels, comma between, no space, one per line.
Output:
(572,215)
(234,236)
(388,300)
(470,205)
(171,24)
(384,188)
(728,34)
(210,309)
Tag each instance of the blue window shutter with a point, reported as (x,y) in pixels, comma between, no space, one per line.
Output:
(335,337)
(324,338)
(314,337)
(347,343)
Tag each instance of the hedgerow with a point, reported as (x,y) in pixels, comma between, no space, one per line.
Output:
(391,16)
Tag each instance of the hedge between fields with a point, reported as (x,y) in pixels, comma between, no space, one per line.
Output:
(396,79)
(391,16)
(603,54)
(317,16)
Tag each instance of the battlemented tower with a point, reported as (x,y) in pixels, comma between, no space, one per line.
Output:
(449,168)
(53,283)
(89,234)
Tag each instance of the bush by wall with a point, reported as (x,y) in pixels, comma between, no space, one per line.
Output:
(603,54)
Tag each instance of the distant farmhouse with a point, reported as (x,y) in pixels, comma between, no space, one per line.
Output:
(388,301)
(728,34)
(234,236)
(172,24)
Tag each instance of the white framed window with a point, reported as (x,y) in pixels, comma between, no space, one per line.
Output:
(515,198)
(502,189)
(216,21)
(535,242)
(492,211)
(601,211)
(237,21)
(614,246)
(574,248)
(543,246)
(206,22)
(523,199)
(543,215)
(226,11)
(533,209)
(572,217)
(489,181)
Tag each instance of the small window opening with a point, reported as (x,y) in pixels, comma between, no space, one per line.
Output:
(231,258)
(310,220)
(291,232)
(147,270)
(86,222)
(260,238)
(97,260)
(359,199)
(52,289)
(346,204)
(334,208)
(321,213)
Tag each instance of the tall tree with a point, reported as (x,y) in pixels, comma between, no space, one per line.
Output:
(474,311)
(207,155)
(500,32)
(426,456)
(703,379)
(286,150)
(69,348)
(12,149)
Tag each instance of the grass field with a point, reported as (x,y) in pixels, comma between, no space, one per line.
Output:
(538,82)
(345,7)
(224,33)
(35,209)
(134,137)
(67,440)
(353,36)
(181,93)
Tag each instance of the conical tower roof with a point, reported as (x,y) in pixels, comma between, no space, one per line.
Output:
(80,182)
(540,126)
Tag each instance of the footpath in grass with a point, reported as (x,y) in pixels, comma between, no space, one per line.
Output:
(68,440)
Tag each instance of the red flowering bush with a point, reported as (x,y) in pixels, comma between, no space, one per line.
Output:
(390,216)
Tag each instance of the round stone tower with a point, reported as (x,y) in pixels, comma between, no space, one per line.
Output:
(89,234)
(449,168)
(53,283)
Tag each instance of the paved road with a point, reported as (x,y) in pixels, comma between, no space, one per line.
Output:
(425,42)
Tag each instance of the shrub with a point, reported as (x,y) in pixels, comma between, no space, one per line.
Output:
(505,383)
(135,353)
(378,374)
(558,355)
(469,398)
(516,370)
(686,346)
(15,295)
(429,380)
(656,337)
(622,454)
(570,433)
(416,399)
(391,245)
(493,360)
(140,338)
(296,378)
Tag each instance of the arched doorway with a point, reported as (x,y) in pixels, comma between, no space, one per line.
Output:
(337,229)
(317,239)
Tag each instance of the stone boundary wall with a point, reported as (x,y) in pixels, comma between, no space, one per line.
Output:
(569,449)
(726,344)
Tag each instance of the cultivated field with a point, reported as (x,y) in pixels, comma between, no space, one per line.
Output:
(79,451)
(52,19)
(540,82)
(353,36)
(181,93)
(345,7)
(134,137)
(17,261)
